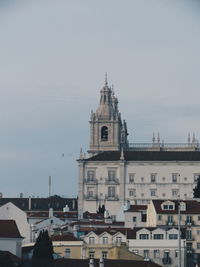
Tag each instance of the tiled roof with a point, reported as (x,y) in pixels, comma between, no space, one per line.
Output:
(147,156)
(192,207)
(65,237)
(9,229)
(16,260)
(131,234)
(58,214)
(42,204)
(136,208)
(111,231)
(101,223)
(107,263)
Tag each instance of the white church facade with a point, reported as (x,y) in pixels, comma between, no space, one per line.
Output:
(116,171)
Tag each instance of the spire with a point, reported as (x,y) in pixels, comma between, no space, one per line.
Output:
(81,157)
(106,79)
(188,138)
(158,138)
(153,138)
(193,138)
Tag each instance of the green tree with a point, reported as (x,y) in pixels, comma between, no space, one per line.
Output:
(196,190)
(43,251)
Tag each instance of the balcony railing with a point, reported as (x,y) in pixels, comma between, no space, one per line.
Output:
(90,181)
(163,146)
(167,260)
(112,181)
(189,223)
(170,223)
(111,197)
(92,198)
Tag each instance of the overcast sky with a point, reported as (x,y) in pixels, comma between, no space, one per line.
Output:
(53,57)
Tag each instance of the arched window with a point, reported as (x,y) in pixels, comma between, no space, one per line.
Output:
(104,133)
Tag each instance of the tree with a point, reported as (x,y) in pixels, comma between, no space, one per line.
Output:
(43,251)
(196,190)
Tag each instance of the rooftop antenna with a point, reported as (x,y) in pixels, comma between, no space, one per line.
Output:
(49,186)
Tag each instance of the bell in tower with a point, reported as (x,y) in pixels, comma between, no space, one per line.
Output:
(107,132)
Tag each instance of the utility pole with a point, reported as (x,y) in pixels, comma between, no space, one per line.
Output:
(179,228)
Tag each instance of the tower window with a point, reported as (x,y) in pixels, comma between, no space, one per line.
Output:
(104,133)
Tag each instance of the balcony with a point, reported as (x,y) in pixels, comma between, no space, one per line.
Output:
(170,223)
(189,223)
(90,181)
(111,197)
(91,198)
(166,261)
(114,181)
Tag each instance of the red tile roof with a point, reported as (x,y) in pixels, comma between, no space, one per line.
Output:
(9,229)
(65,237)
(136,208)
(192,207)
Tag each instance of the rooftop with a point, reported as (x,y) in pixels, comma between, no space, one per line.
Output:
(9,229)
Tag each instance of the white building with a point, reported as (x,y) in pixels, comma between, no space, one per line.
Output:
(10,212)
(157,244)
(117,171)
(10,237)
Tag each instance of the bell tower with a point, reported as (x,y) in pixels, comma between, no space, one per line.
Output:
(107,131)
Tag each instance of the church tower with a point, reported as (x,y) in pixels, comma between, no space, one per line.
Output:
(107,131)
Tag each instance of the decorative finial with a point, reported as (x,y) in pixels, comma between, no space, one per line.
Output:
(193,138)
(188,138)
(153,138)
(158,138)
(106,79)
(81,154)
(122,154)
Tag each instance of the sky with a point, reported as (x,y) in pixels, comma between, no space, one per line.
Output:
(53,58)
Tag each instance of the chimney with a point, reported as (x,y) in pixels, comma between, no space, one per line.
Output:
(73,204)
(29,203)
(91,263)
(50,213)
(21,195)
(1,195)
(101,263)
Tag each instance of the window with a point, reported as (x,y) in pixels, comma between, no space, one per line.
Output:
(176,253)
(104,254)
(173,236)
(163,195)
(142,179)
(196,177)
(188,219)
(157,236)
(104,133)
(189,246)
(174,192)
(91,240)
(131,178)
(90,175)
(156,253)
(169,219)
(67,253)
(142,194)
(146,254)
(198,245)
(132,193)
(153,178)
(198,218)
(118,239)
(159,217)
(144,236)
(153,192)
(198,232)
(185,178)
(134,219)
(111,191)
(90,192)
(105,240)
(111,175)
(168,207)
(174,177)
(189,234)
(91,254)
(163,178)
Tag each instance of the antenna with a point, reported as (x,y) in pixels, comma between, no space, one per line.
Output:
(49,186)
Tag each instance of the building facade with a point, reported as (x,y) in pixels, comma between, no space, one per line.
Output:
(116,171)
